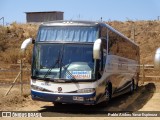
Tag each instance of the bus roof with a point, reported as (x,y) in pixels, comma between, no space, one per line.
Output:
(70,23)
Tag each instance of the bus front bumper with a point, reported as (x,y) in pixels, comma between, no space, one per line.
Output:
(83,98)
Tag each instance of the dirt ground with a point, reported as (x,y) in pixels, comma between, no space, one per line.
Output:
(146,98)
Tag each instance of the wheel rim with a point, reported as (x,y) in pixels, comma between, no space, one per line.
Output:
(132,86)
(108,95)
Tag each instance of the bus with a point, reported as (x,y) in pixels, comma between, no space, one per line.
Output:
(82,62)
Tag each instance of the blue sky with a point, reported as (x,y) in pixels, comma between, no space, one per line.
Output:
(121,10)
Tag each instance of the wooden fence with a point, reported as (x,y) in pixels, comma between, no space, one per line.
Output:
(22,76)
(148,73)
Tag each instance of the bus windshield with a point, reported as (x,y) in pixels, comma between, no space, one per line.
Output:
(63,61)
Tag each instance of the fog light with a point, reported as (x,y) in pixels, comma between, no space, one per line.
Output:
(76,98)
(91,99)
(34,87)
(33,81)
(87,90)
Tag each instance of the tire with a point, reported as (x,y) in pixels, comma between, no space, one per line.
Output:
(136,86)
(108,92)
(57,104)
(132,87)
(108,96)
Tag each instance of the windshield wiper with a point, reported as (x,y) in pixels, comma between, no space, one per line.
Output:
(63,66)
(59,60)
(49,70)
(68,72)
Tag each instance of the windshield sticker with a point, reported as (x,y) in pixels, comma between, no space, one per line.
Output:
(79,75)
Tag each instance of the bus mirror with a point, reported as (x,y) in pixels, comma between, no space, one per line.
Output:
(97,49)
(157,59)
(33,41)
(25,44)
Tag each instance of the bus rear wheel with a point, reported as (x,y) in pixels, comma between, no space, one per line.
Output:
(108,92)
(132,87)
(136,86)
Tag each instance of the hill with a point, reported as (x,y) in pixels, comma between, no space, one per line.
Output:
(11,38)
(146,34)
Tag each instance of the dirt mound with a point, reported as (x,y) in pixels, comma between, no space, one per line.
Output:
(14,98)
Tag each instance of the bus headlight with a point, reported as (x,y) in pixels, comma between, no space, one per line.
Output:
(33,81)
(86,90)
(34,87)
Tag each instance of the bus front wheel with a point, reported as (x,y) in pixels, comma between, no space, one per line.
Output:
(57,104)
(108,96)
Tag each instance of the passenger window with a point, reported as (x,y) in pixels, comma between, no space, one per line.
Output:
(104,32)
(103,54)
(104,57)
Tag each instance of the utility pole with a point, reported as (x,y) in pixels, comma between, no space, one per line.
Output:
(2,18)
(101,19)
(133,32)
(158,18)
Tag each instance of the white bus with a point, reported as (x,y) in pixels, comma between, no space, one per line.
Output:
(82,62)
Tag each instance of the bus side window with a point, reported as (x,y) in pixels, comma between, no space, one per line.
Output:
(103,36)
(104,57)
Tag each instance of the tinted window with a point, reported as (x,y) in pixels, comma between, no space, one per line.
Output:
(121,47)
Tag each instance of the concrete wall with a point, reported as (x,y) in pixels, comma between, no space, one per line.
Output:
(43,16)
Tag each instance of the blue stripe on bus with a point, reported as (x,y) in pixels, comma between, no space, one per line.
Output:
(64,98)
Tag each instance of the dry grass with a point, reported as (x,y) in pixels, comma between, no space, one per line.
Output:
(10,56)
(11,38)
